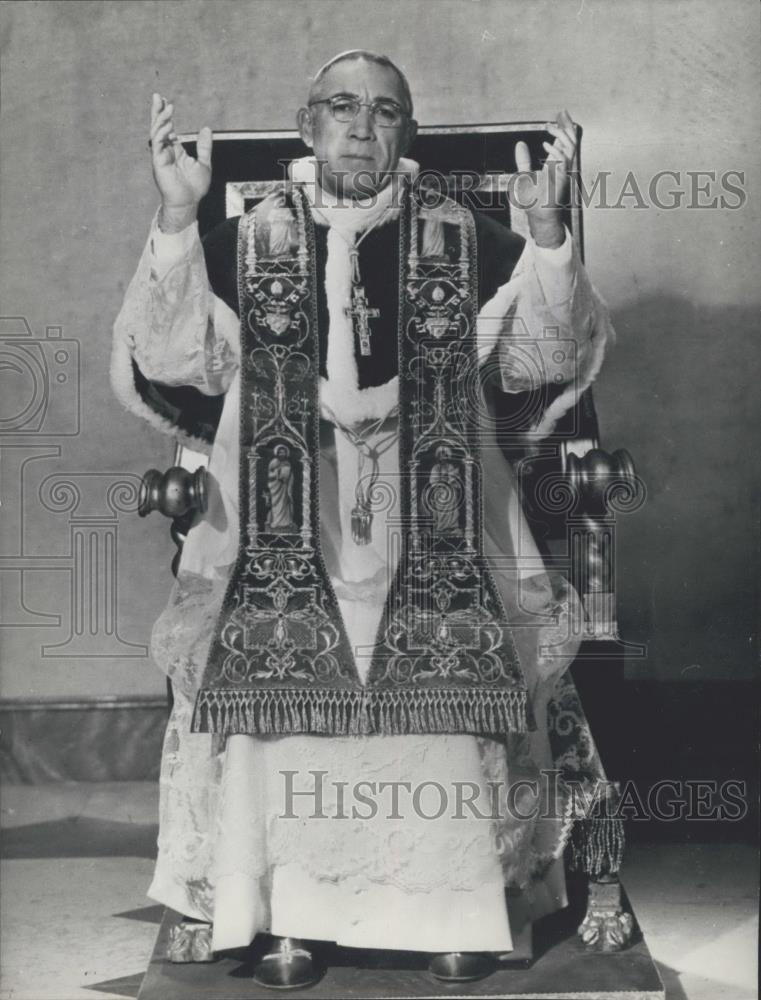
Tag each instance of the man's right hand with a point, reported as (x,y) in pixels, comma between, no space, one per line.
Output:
(182,180)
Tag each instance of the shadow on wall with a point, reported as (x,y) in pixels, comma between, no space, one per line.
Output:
(679,390)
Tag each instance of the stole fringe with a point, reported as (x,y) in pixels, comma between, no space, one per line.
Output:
(597,845)
(355,712)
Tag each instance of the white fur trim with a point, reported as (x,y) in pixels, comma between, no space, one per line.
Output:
(590,352)
(123,385)
(603,333)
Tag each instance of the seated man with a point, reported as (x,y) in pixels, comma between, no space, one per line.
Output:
(355,625)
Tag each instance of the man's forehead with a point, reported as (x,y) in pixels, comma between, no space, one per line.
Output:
(361,77)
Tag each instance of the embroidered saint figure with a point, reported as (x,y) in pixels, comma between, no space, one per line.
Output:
(444,494)
(279,492)
(434,241)
(281,236)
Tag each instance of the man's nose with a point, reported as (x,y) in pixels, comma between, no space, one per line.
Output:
(362,126)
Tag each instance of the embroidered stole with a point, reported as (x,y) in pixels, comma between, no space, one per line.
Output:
(281,660)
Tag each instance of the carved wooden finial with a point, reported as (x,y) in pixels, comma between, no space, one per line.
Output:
(597,475)
(175,493)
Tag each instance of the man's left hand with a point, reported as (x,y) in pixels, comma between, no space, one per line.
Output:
(543,193)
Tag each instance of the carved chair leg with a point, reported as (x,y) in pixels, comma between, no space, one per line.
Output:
(606,926)
(190,941)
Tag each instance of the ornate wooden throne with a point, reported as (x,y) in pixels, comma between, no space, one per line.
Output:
(574,533)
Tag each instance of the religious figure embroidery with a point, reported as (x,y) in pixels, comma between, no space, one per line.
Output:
(444,496)
(281,234)
(433,240)
(279,492)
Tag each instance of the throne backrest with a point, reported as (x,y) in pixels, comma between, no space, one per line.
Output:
(472,163)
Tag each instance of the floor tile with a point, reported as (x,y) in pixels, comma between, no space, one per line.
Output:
(697,906)
(58,932)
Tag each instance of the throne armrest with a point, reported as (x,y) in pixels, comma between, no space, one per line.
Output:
(179,493)
(571,490)
(598,479)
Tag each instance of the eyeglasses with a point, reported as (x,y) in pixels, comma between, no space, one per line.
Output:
(386,114)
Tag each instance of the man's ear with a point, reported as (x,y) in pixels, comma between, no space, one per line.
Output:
(304,124)
(411,135)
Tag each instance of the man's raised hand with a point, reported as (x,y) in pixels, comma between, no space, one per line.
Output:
(182,180)
(543,193)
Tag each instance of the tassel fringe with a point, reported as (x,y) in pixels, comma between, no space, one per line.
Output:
(352,712)
(597,845)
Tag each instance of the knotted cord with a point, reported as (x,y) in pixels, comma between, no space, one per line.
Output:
(361,514)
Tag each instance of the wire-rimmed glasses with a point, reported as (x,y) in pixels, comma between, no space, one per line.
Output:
(385,113)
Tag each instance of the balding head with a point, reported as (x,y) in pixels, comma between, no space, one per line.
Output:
(353,55)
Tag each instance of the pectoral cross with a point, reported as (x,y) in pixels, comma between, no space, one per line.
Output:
(361,314)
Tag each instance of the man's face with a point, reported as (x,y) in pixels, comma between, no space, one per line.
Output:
(356,156)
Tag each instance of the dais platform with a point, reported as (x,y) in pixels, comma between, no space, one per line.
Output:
(561,970)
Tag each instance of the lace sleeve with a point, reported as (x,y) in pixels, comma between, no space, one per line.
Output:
(539,329)
(171,323)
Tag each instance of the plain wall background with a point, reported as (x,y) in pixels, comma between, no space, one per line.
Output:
(655,86)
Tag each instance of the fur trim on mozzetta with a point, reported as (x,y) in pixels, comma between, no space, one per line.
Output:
(603,333)
(588,323)
(123,385)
